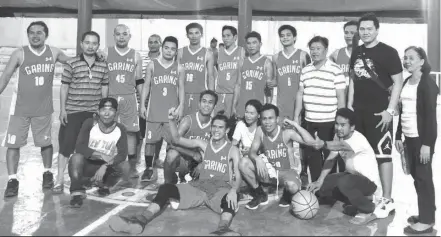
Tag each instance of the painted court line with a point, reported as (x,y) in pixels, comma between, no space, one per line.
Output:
(100,220)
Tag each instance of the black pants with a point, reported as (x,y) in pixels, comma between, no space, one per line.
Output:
(315,158)
(67,135)
(423,180)
(351,189)
(82,169)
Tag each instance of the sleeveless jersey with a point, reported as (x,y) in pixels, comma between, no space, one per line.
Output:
(289,69)
(196,130)
(195,70)
(216,163)
(122,79)
(343,61)
(33,96)
(276,150)
(227,73)
(253,80)
(163,91)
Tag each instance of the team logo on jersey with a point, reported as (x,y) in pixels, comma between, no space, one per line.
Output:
(259,68)
(280,145)
(223,158)
(129,59)
(173,72)
(48,59)
(200,58)
(236,58)
(295,61)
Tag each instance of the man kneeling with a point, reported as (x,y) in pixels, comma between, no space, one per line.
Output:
(277,164)
(100,152)
(215,186)
(361,178)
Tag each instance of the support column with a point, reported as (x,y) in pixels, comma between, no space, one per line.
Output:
(245,16)
(110,26)
(84,20)
(433,34)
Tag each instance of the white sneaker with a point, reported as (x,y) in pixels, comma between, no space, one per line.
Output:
(384,206)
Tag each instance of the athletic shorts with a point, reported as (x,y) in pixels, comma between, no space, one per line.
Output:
(193,195)
(191,104)
(156,132)
(18,128)
(67,135)
(380,141)
(127,112)
(283,175)
(225,103)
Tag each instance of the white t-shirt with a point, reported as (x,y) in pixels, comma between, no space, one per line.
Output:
(362,160)
(243,135)
(409,114)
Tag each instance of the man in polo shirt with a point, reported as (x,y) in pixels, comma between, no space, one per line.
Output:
(322,91)
(85,81)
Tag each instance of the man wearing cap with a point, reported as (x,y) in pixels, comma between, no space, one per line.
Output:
(101,149)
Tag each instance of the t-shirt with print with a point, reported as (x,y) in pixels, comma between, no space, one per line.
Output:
(361,160)
(243,135)
(384,61)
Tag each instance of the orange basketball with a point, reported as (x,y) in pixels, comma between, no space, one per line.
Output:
(304,205)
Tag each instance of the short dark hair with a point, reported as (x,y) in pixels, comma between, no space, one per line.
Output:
(370,17)
(213,40)
(253,34)
(194,25)
(39,23)
(320,39)
(209,92)
(231,28)
(112,100)
(228,122)
(93,33)
(221,44)
(350,23)
(171,39)
(288,27)
(266,107)
(347,114)
(256,104)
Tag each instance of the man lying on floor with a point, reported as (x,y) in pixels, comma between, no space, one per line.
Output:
(214,188)
(100,153)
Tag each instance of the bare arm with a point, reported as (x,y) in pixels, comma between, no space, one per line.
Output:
(351,90)
(327,166)
(235,158)
(59,55)
(276,75)
(300,134)
(148,80)
(341,100)
(396,90)
(270,80)
(237,86)
(305,59)
(179,58)
(299,103)
(13,63)
(255,146)
(334,56)
(138,73)
(181,87)
(64,90)
(182,141)
(210,69)
(105,84)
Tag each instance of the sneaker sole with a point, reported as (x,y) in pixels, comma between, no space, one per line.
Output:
(117,224)
(284,205)
(260,204)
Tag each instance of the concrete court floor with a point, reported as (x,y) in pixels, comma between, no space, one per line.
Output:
(35,212)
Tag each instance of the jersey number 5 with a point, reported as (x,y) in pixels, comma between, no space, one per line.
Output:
(39,81)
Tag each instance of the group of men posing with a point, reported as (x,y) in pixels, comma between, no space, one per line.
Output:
(100,123)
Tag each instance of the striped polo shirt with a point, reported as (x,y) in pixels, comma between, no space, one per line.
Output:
(319,91)
(85,84)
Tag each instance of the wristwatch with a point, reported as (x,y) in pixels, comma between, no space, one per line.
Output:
(391,112)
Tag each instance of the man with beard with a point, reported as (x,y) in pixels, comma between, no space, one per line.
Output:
(193,126)
(198,62)
(32,103)
(101,149)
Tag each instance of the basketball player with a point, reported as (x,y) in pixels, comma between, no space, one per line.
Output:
(374,91)
(288,64)
(125,78)
(277,164)
(341,56)
(164,85)
(228,61)
(193,126)
(198,62)
(32,104)
(256,75)
(154,44)
(215,188)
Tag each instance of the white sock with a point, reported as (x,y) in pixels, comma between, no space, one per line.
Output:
(12,176)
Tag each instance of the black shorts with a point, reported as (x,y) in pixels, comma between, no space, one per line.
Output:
(142,125)
(380,141)
(67,136)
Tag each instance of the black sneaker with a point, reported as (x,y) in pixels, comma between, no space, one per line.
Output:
(76,201)
(225,231)
(48,180)
(285,200)
(12,188)
(258,200)
(129,225)
(103,192)
(149,175)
